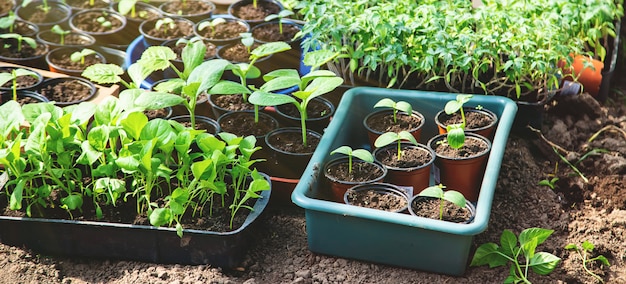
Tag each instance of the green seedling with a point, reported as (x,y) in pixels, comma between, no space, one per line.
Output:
(165,24)
(30,41)
(280,16)
(104,22)
(8,21)
(44,5)
(79,56)
(129,6)
(585,251)
(211,24)
(509,251)
(396,106)
(12,76)
(362,154)
(247,40)
(390,137)
(456,132)
(61,32)
(551,183)
(436,191)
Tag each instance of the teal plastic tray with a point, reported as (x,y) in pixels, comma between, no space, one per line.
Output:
(393,238)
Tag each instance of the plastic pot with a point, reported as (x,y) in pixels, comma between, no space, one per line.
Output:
(339,187)
(415,177)
(271,7)
(29,57)
(51,82)
(416,199)
(202,122)
(110,36)
(58,14)
(487,130)
(352,196)
(36,81)
(192,14)
(184,28)
(378,115)
(73,39)
(220,38)
(317,124)
(65,52)
(29,96)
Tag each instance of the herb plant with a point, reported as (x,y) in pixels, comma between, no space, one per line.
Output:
(395,106)
(362,154)
(12,76)
(79,56)
(509,251)
(437,191)
(390,137)
(585,251)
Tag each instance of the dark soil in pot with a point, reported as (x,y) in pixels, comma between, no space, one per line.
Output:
(472,147)
(27,56)
(236,53)
(23,97)
(202,123)
(189,9)
(243,124)
(384,122)
(292,142)
(429,208)
(211,49)
(60,61)
(71,39)
(182,28)
(248,12)
(67,90)
(85,4)
(377,196)
(22,82)
(22,27)
(164,113)
(361,171)
(225,103)
(271,32)
(411,157)
(86,21)
(58,13)
(481,121)
(223,33)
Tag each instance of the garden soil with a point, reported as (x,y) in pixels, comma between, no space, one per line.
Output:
(587,206)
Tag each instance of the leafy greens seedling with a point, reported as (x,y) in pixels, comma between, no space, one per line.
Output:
(79,56)
(396,106)
(390,137)
(61,32)
(456,132)
(436,191)
(359,153)
(509,251)
(30,41)
(12,76)
(585,252)
(282,14)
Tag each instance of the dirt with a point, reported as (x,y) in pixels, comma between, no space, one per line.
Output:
(226,30)
(411,156)
(474,119)
(21,27)
(377,197)
(67,91)
(69,39)
(244,124)
(383,122)
(61,59)
(85,22)
(180,29)
(21,82)
(473,146)
(271,32)
(85,4)
(258,13)
(189,8)
(430,208)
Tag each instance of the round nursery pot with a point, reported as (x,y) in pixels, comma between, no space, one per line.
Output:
(23,97)
(428,207)
(284,160)
(202,123)
(26,56)
(79,5)
(222,104)
(413,168)
(481,121)
(59,61)
(177,47)
(340,179)
(223,33)
(58,14)
(381,121)
(462,169)
(21,27)
(73,39)
(193,10)
(381,196)
(143,12)
(154,36)
(241,123)
(246,11)
(6,6)
(105,25)
(319,113)
(588,72)
(23,83)
(65,91)
(270,32)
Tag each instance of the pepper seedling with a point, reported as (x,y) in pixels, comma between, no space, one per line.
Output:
(436,191)
(395,106)
(456,132)
(79,56)
(12,76)
(280,16)
(362,154)
(390,137)
(61,32)
(584,252)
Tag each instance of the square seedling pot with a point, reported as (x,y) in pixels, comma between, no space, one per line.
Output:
(394,238)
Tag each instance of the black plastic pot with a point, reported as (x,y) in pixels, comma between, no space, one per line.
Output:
(206,33)
(32,96)
(285,164)
(58,14)
(468,206)
(131,30)
(148,25)
(291,58)
(114,36)
(54,41)
(273,7)
(66,52)
(37,60)
(379,188)
(194,17)
(317,124)
(21,88)
(22,27)
(54,81)
(210,125)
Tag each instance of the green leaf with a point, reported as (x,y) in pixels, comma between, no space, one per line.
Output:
(134,123)
(157,58)
(15,202)
(160,217)
(261,98)
(228,88)
(72,202)
(269,48)
(280,83)
(104,73)
(208,74)
(435,191)
(319,57)
(543,263)
(508,243)
(455,136)
(455,197)
(363,155)
(488,254)
(588,246)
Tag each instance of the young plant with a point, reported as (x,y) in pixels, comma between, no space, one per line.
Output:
(456,132)
(12,76)
(396,106)
(165,24)
(102,20)
(436,191)
(585,251)
(44,5)
(61,32)
(211,24)
(509,251)
(280,16)
(390,137)
(19,38)
(129,6)
(359,153)
(8,21)
(551,183)
(79,56)
(247,40)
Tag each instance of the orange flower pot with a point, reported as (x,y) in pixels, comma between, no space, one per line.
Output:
(586,71)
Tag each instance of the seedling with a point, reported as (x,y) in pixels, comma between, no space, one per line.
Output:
(8,21)
(456,132)
(585,251)
(104,22)
(390,137)
(129,6)
(551,183)
(212,25)
(509,251)
(30,41)
(61,32)
(359,153)
(396,106)
(18,72)
(79,56)
(44,5)
(436,191)
(247,40)
(165,24)
(279,16)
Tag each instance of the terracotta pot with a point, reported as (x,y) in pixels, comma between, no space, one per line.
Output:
(582,71)
(269,6)
(51,82)
(487,131)
(167,9)
(36,81)
(65,52)
(317,124)
(373,134)
(377,188)
(463,174)
(112,36)
(339,187)
(58,14)
(219,39)
(286,164)
(416,199)
(416,177)
(73,39)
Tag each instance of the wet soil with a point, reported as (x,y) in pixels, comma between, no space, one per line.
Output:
(66,91)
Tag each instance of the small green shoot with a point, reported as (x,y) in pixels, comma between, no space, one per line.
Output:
(551,183)
(6,77)
(390,137)
(509,251)
(8,21)
(396,106)
(211,24)
(79,56)
(61,32)
(362,154)
(456,132)
(165,24)
(585,251)
(247,40)
(44,5)
(280,16)
(436,191)
(30,41)
(104,22)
